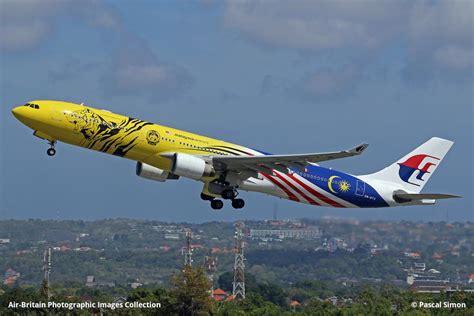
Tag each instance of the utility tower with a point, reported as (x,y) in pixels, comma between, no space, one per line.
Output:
(238,286)
(210,263)
(46,272)
(188,251)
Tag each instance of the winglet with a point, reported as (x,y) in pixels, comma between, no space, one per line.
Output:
(359,149)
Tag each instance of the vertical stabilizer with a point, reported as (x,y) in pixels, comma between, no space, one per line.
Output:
(413,171)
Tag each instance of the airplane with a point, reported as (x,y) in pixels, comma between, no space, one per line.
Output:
(163,153)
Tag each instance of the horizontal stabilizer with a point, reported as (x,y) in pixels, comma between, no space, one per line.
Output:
(408,197)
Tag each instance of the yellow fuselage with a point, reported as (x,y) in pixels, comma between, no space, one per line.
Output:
(115,134)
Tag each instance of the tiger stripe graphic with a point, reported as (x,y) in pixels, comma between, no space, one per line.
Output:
(107,136)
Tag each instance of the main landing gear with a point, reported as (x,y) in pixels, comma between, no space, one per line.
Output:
(51,151)
(217,204)
(231,194)
(238,203)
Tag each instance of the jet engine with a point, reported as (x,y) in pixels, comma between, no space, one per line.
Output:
(191,166)
(153,173)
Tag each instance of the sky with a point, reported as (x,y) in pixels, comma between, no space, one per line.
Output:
(279,76)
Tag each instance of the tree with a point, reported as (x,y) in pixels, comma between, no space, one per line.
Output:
(44,290)
(272,293)
(252,305)
(191,290)
(158,295)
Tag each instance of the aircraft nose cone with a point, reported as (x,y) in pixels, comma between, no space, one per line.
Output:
(19,112)
(16,111)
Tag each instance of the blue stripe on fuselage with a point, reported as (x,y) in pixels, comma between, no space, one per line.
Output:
(358,193)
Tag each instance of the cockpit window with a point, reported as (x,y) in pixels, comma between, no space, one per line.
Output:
(33,106)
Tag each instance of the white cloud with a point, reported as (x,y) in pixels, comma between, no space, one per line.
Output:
(437,35)
(134,68)
(441,22)
(19,37)
(26,24)
(441,39)
(316,25)
(328,83)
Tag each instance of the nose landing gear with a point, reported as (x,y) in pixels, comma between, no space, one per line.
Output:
(51,151)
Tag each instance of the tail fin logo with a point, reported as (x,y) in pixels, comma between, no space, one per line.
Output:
(412,164)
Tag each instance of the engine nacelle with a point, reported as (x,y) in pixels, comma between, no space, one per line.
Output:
(191,166)
(151,173)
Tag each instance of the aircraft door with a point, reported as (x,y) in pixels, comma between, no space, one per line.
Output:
(360,188)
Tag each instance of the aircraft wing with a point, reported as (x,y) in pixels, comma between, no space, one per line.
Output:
(281,162)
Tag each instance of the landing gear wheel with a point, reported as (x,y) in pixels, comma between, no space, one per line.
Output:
(238,203)
(51,151)
(228,194)
(206,197)
(217,204)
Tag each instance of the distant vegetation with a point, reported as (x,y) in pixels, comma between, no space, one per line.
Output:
(367,265)
(189,295)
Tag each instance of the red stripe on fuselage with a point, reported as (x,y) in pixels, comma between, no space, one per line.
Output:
(290,194)
(316,193)
(307,198)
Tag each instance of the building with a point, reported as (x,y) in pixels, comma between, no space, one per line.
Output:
(9,281)
(90,281)
(375,250)
(221,296)
(471,279)
(413,255)
(172,236)
(420,266)
(335,243)
(312,232)
(294,304)
(11,276)
(431,286)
